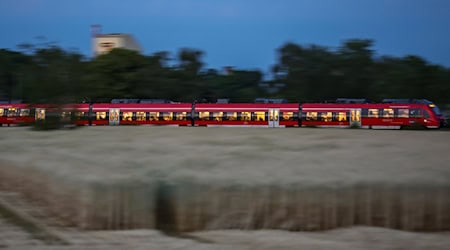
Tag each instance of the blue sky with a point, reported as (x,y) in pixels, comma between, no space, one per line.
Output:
(240,33)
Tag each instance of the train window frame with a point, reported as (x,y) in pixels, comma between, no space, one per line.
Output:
(166,116)
(326,116)
(12,112)
(402,113)
(311,116)
(79,115)
(217,116)
(204,115)
(101,115)
(415,113)
(66,116)
(181,116)
(245,116)
(387,113)
(364,113)
(287,116)
(231,116)
(24,112)
(342,116)
(259,116)
(373,113)
(127,116)
(153,116)
(141,116)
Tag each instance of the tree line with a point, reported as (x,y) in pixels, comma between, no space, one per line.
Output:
(301,74)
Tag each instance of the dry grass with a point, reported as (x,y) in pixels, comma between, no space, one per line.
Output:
(215,178)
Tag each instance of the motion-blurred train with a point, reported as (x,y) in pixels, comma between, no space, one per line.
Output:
(389,114)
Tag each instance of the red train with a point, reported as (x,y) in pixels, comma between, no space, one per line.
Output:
(365,115)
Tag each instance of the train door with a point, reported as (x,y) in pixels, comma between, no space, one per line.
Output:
(355,118)
(274,118)
(39,114)
(114,117)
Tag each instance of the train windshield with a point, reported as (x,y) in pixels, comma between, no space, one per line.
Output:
(433,107)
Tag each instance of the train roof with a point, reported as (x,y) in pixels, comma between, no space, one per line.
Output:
(169,107)
(360,105)
(246,106)
(352,100)
(270,100)
(406,101)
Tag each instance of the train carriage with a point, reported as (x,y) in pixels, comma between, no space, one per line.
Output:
(177,114)
(246,115)
(15,114)
(368,115)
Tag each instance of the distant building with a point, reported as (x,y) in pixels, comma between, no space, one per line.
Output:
(103,43)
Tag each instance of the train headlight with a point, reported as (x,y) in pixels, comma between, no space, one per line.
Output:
(425,120)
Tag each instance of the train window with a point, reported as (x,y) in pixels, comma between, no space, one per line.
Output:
(326,116)
(167,116)
(141,116)
(79,115)
(127,116)
(12,112)
(1,112)
(181,116)
(287,116)
(24,112)
(230,116)
(259,116)
(403,113)
(388,113)
(342,116)
(426,114)
(65,116)
(364,113)
(100,115)
(311,116)
(415,113)
(153,116)
(40,114)
(245,116)
(217,116)
(204,116)
(373,113)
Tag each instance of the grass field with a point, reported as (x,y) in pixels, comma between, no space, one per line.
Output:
(184,179)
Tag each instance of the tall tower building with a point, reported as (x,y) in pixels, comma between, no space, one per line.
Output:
(103,43)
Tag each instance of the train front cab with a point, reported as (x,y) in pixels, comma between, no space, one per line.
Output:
(399,116)
(374,116)
(432,116)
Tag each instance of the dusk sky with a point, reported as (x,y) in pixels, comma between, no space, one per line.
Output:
(241,33)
